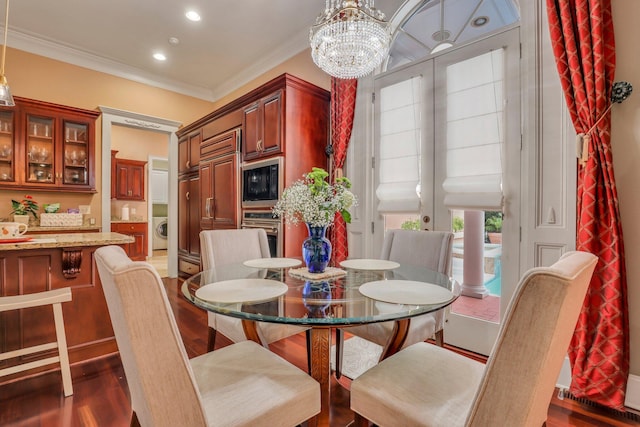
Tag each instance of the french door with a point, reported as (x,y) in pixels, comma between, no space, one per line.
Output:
(464,137)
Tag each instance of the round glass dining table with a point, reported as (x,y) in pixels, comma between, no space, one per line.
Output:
(275,291)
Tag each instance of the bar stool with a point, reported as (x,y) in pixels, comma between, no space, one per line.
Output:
(55,298)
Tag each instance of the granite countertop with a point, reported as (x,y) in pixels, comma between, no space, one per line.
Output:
(34,229)
(129,221)
(69,240)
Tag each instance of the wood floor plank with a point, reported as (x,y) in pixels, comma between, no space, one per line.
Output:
(101,397)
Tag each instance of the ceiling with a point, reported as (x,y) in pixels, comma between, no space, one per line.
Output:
(235,42)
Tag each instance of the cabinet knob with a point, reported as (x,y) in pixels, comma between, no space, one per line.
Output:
(259,145)
(187,164)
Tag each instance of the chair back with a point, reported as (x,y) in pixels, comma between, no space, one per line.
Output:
(222,247)
(525,362)
(161,383)
(429,249)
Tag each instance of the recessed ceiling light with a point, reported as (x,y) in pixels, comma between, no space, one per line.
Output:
(159,56)
(192,15)
(480,21)
(173,41)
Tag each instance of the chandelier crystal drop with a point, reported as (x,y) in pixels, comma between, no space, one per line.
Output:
(350,38)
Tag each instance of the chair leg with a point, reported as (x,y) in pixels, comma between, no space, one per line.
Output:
(211,340)
(339,345)
(63,353)
(360,421)
(308,335)
(440,338)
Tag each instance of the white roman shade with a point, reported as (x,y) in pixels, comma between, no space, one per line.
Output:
(475,133)
(400,140)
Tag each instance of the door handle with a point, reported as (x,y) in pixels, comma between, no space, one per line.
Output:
(187,195)
(208,207)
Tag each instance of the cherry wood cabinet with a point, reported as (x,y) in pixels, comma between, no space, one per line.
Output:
(262,124)
(189,152)
(138,249)
(219,181)
(129,179)
(188,224)
(284,117)
(47,147)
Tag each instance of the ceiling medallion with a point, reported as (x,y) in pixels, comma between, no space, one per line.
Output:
(350,38)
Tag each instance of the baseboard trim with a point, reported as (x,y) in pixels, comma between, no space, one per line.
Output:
(632,397)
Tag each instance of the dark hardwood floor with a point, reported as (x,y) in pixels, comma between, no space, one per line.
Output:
(101,397)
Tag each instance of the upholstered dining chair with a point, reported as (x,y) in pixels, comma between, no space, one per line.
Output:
(429,249)
(426,385)
(223,247)
(242,384)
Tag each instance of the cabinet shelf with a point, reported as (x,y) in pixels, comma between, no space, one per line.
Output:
(42,137)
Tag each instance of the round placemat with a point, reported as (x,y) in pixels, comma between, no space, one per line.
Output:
(242,290)
(273,262)
(406,292)
(369,264)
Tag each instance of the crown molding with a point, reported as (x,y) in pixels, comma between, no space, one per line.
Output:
(70,55)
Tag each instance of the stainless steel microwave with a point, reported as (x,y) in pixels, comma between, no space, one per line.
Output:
(262,182)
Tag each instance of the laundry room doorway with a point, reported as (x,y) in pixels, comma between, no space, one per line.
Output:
(158,212)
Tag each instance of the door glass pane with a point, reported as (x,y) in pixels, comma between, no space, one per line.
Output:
(481,249)
(404,221)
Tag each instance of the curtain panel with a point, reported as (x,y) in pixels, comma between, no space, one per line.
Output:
(343,105)
(583,43)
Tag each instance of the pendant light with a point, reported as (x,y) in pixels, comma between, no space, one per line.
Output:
(6,100)
(441,36)
(350,38)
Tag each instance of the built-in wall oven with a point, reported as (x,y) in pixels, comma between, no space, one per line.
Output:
(262,182)
(273,226)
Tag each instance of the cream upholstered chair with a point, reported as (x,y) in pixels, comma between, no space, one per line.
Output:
(426,385)
(241,385)
(430,249)
(223,247)
(54,298)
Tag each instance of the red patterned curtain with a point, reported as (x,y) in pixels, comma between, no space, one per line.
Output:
(343,104)
(583,44)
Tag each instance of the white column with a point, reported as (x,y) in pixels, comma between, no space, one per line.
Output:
(473,265)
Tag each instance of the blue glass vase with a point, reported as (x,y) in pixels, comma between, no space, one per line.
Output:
(316,249)
(316,297)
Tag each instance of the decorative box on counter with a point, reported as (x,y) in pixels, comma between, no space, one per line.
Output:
(60,219)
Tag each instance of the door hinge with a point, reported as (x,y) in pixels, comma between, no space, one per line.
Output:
(373,224)
(373,162)
(373,97)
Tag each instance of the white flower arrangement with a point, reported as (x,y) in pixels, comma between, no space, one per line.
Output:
(314,201)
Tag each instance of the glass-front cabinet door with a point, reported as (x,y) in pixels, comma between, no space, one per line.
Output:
(41,150)
(7,147)
(76,152)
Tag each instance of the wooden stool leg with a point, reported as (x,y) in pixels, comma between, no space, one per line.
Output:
(63,353)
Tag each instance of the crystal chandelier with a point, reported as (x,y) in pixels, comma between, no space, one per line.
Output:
(350,38)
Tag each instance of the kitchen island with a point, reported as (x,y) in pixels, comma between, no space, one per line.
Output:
(56,261)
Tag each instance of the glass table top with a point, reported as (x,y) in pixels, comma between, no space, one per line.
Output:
(279,295)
